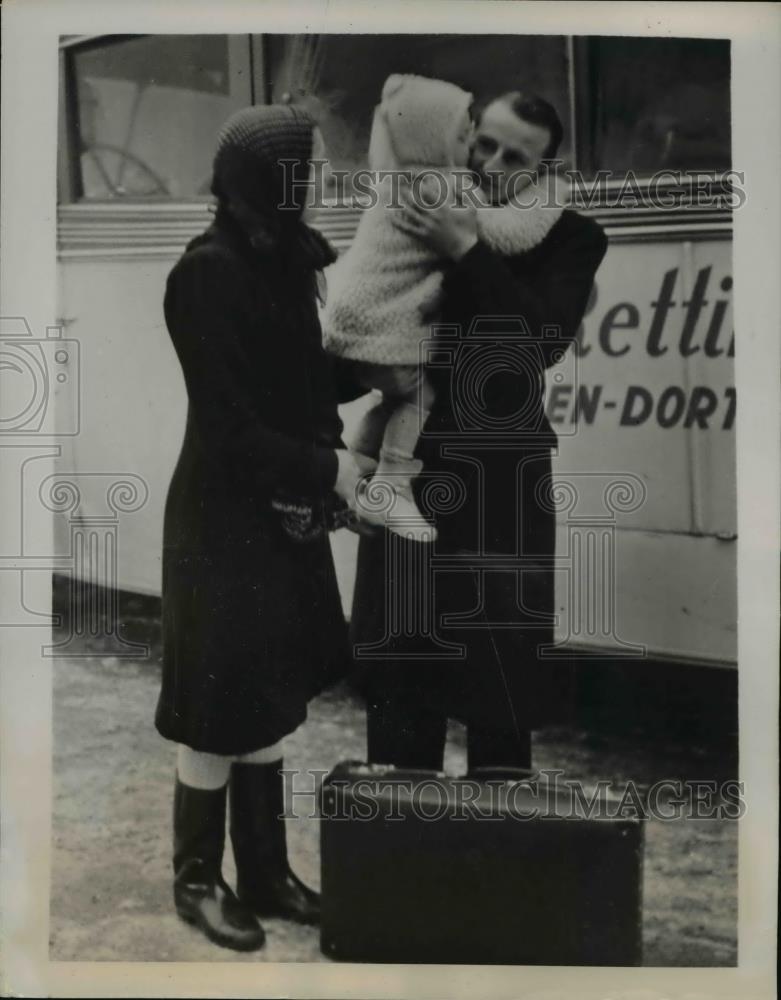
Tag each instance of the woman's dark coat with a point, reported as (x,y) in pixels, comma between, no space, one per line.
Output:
(504,467)
(252,620)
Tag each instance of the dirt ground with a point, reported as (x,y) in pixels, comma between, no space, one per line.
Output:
(113,775)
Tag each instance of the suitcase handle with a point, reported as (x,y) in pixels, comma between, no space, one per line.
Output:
(500,774)
(358,768)
(348,769)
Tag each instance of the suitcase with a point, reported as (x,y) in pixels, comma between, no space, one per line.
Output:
(412,873)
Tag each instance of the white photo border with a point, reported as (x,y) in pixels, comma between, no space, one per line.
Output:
(31,29)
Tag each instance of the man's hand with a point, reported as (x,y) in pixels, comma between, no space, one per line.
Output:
(449,230)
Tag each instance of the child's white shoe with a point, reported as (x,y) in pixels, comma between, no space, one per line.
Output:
(388,501)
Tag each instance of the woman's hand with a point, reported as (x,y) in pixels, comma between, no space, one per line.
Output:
(352,470)
(448,229)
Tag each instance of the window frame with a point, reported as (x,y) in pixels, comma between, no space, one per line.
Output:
(88,227)
(586,73)
(70,188)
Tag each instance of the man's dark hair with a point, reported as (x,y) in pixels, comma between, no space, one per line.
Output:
(536,110)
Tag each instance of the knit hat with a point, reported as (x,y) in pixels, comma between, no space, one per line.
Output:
(416,122)
(264,194)
(250,146)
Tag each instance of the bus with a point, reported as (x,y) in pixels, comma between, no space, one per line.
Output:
(645,396)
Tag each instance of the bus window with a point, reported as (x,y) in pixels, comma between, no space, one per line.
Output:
(341,76)
(146,110)
(655,104)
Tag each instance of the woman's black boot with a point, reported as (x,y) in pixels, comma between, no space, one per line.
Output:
(265,881)
(201,895)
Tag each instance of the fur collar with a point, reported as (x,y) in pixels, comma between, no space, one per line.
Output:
(514,229)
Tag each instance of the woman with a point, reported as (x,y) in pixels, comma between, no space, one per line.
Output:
(252,620)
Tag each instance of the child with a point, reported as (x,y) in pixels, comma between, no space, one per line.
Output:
(385,291)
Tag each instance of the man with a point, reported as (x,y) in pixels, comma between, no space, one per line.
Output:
(482,664)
